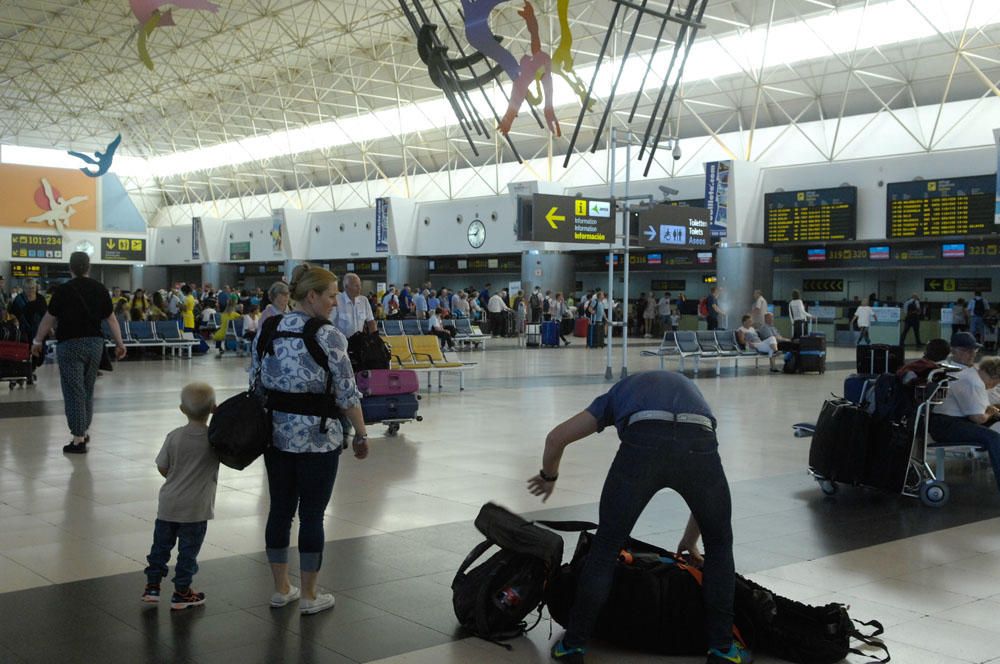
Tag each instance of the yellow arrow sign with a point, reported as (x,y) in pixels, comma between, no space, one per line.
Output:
(111,244)
(552,217)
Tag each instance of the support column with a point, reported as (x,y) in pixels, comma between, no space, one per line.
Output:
(549,270)
(210,274)
(742,269)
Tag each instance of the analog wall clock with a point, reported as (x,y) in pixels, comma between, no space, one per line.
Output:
(477,234)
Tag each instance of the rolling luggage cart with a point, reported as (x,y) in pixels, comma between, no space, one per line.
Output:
(918,479)
(15,363)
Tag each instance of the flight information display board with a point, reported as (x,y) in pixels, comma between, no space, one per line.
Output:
(932,208)
(813,215)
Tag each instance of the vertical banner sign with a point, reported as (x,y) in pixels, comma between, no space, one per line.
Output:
(996,217)
(717,175)
(195,238)
(382,225)
(277,221)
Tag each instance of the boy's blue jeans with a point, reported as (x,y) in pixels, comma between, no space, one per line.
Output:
(652,456)
(189,538)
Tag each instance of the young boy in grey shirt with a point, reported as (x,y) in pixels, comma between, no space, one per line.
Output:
(187,499)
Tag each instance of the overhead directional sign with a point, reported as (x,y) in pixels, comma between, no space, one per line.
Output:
(123,249)
(953,285)
(572,219)
(823,285)
(670,226)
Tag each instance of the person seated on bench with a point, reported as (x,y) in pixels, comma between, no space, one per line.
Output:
(769,331)
(965,415)
(668,441)
(748,338)
(445,334)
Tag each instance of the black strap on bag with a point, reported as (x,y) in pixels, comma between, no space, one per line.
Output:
(299,403)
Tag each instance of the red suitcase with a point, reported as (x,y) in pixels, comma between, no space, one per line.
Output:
(14,351)
(580,329)
(387,382)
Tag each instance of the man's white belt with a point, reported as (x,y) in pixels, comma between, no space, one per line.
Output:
(667,416)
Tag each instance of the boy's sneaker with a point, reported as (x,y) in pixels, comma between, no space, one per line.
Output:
(75,448)
(186,599)
(567,655)
(321,603)
(737,654)
(151,594)
(279,600)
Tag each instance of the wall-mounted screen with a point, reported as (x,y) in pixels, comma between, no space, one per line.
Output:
(814,215)
(953,250)
(878,253)
(934,208)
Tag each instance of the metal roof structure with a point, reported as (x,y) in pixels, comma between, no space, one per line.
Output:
(71,79)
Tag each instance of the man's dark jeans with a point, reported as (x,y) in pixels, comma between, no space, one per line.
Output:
(656,455)
(956,430)
(302,482)
(189,538)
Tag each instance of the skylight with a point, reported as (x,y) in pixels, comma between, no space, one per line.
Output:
(838,32)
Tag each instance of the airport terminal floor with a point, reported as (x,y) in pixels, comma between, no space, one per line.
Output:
(75,529)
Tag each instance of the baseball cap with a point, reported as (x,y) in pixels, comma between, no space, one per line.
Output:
(964,340)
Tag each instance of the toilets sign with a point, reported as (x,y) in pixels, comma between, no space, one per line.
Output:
(670,226)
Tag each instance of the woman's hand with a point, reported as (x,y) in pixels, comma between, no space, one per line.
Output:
(120,351)
(360,446)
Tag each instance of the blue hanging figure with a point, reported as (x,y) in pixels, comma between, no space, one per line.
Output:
(100,159)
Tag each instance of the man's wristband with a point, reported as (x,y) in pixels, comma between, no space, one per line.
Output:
(548,478)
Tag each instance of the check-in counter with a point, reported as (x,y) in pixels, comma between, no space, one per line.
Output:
(885,327)
(825,322)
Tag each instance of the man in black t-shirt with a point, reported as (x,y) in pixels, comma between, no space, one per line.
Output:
(76,311)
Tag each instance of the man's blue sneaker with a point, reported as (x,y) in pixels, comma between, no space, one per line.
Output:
(567,655)
(737,654)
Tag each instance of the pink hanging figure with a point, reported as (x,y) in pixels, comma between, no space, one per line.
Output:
(530,65)
(143,9)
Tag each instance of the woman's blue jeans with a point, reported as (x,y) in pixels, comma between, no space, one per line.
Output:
(304,483)
(656,455)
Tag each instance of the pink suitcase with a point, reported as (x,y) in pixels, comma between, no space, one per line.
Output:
(387,382)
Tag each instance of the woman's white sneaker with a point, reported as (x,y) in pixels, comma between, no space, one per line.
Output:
(321,603)
(279,600)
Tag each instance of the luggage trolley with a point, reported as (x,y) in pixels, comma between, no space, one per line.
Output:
(16,365)
(920,480)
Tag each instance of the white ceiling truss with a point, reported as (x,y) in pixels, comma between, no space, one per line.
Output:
(70,80)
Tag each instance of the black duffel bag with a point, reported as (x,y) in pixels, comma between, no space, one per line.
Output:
(656,606)
(367,351)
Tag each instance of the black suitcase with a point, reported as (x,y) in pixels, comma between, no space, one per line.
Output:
(888,456)
(566,326)
(812,354)
(879,358)
(395,407)
(595,335)
(839,447)
(509,324)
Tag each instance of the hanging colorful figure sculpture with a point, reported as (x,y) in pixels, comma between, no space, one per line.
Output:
(538,63)
(102,160)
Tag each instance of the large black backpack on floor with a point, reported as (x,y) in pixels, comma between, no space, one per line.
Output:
(656,606)
(493,599)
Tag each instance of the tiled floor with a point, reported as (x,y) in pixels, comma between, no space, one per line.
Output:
(74,531)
